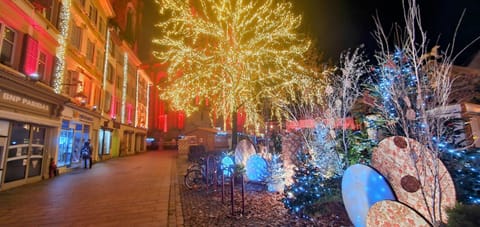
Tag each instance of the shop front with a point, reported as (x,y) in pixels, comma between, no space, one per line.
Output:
(78,125)
(29,129)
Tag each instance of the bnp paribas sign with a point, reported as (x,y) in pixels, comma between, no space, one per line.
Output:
(20,101)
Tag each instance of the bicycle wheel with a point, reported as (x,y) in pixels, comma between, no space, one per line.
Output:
(193,179)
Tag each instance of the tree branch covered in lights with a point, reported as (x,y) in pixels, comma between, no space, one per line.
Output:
(233,53)
(411,90)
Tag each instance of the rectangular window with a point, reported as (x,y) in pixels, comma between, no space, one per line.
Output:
(42,65)
(76,37)
(108,102)
(90,51)
(71,83)
(92,14)
(99,61)
(98,94)
(101,26)
(52,12)
(119,81)
(7,43)
(110,73)
(112,48)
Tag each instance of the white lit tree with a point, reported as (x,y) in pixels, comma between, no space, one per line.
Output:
(232,53)
(411,89)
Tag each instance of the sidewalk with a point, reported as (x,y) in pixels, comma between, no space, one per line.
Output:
(138,190)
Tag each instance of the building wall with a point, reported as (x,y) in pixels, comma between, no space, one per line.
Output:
(29,109)
(55,88)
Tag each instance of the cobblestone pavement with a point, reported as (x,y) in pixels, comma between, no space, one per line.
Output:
(136,190)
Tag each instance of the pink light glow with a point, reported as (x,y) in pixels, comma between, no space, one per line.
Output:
(129,113)
(31,56)
(113,110)
(348,123)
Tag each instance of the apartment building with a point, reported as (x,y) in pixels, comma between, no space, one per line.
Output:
(30,110)
(66,75)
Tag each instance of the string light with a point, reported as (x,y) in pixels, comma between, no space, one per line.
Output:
(124,85)
(62,45)
(232,53)
(105,66)
(137,86)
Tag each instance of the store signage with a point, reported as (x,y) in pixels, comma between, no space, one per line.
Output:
(23,101)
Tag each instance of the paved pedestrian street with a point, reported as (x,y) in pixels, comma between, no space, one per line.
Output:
(137,190)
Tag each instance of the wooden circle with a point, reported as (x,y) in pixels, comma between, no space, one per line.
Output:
(393,213)
(395,163)
(362,186)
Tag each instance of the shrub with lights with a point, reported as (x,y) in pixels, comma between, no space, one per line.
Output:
(317,171)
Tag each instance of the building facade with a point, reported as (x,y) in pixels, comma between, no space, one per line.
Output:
(66,77)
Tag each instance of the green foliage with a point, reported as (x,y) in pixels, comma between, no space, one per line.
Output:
(275,143)
(239,169)
(464,215)
(360,147)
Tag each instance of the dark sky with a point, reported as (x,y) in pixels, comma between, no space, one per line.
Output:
(342,24)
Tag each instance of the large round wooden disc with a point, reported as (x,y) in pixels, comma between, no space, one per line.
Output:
(362,186)
(412,171)
(393,213)
(243,151)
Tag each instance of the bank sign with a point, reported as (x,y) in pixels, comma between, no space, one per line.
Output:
(22,101)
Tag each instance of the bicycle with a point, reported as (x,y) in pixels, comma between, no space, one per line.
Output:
(201,174)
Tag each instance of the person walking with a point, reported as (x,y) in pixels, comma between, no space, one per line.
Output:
(87,154)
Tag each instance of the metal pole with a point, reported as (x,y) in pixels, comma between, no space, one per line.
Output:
(232,181)
(243,195)
(223,187)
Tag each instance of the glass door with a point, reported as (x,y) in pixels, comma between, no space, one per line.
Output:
(65,147)
(3,145)
(25,152)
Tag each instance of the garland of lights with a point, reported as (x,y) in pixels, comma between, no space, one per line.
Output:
(62,40)
(136,98)
(148,106)
(396,77)
(233,53)
(105,66)
(124,85)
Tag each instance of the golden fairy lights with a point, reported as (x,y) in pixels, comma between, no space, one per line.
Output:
(233,53)
(62,40)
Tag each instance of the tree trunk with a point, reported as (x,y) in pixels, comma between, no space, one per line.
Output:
(234,129)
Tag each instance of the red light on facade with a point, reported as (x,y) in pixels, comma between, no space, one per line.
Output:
(129,113)
(180,120)
(30,56)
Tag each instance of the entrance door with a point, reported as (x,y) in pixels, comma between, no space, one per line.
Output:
(3,145)
(25,152)
(65,147)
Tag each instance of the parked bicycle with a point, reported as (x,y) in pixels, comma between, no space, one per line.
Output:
(202,173)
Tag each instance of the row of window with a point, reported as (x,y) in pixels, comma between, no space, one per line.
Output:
(44,61)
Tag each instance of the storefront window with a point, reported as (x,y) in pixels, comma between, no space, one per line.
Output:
(38,135)
(20,134)
(65,147)
(25,152)
(104,142)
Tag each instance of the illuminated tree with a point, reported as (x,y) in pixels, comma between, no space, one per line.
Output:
(232,53)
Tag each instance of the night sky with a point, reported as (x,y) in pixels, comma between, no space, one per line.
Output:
(339,25)
(342,24)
